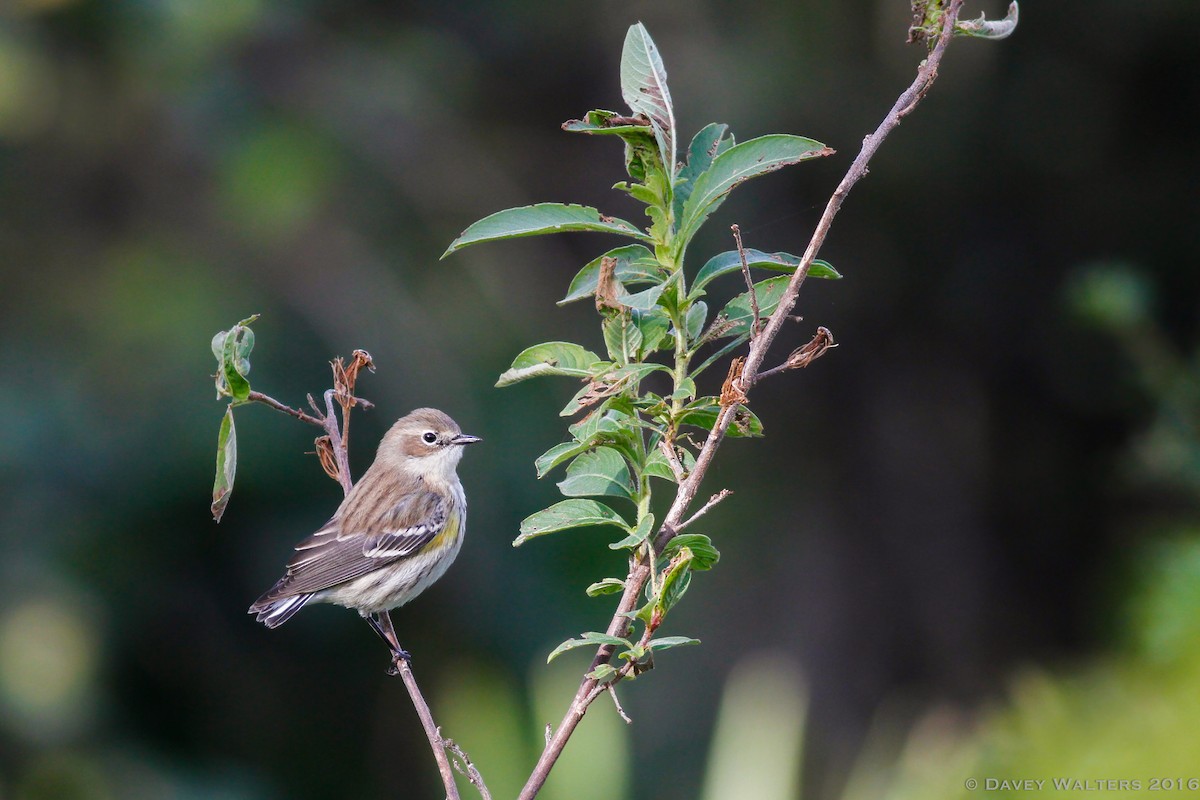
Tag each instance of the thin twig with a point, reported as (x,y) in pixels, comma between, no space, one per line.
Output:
(672,457)
(259,397)
(616,702)
(467,768)
(340,446)
(712,501)
(640,573)
(737,238)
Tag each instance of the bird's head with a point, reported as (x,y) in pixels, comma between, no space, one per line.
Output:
(425,441)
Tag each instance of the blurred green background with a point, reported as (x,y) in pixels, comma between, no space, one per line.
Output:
(968,546)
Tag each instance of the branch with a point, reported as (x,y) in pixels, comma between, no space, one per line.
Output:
(589,688)
(433,733)
(339,449)
(267,400)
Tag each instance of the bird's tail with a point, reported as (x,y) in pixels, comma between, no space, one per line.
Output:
(274,611)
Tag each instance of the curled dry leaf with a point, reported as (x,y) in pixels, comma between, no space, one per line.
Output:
(326,456)
(607,286)
(821,343)
(732,392)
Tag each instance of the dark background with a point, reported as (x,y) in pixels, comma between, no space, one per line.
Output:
(956,492)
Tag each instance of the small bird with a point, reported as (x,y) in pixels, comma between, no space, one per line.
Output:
(394,534)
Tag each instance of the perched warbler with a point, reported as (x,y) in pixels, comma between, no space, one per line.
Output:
(394,534)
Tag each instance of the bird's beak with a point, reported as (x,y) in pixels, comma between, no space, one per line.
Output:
(465,438)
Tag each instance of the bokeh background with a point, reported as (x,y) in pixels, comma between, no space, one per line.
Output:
(968,545)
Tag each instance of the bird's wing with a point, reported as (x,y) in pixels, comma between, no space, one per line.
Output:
(336,554)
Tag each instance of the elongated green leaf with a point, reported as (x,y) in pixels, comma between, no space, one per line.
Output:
(539,219)
(602,472)
(711,141)
(667,642)
(600,122)
(622,337)
(557,455)
(226,464)
(737,164)
(634,264)
(696,317)
(644,88)
(550,358)
(730,261)
(589,639)
(606,586)
(565,515)
(703,414)
(675,583)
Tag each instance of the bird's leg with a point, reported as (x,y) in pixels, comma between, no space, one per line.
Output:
(381,623)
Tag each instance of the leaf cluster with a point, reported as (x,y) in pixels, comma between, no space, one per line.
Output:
(657,330)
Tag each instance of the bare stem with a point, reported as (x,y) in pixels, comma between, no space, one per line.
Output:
(259,397)
(712,501)
(464,765)
(589,689)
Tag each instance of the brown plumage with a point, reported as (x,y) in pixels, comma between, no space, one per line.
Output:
(394,534)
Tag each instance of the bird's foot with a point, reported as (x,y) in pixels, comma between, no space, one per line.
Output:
(398,656)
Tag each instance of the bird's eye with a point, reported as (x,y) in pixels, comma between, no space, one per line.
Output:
(430,437)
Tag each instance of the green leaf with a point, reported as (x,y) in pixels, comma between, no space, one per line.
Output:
(737,164)
(730,261)
(644,88)
(696,316)
(738,315)
(640,534)
(232,351)
(565,515)
(704,555)
(587,429)
(603,673)
(653,326)
(539,219)
(703,414)
(587,639)
(602,472)
(598,122)
(622,337)
(550,358)
(226,464)
(686,390)
(233,367)
(606,586)
(676,581)
(635,264)
(658,467)
(557,455)
(706,145)
(608,382)
(667,642)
